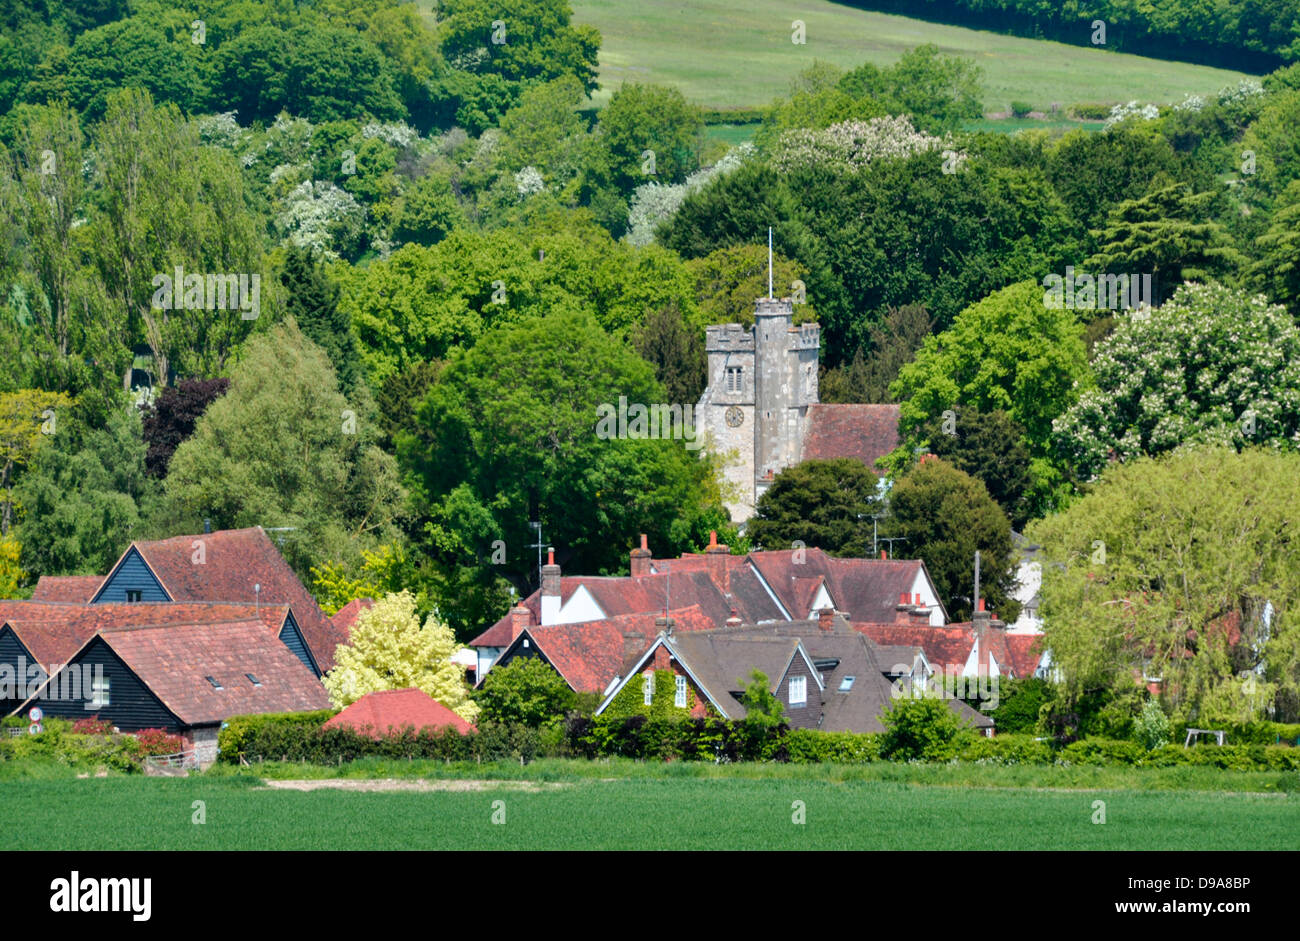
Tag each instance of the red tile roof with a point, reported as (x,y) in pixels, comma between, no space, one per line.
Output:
(52,632)
(234,561)
(949,647)
(590,654)
(347,615)
(175,660)
(395,709)
(865,432)
(71,588)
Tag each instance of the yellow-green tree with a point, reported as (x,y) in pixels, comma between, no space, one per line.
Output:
(390,650)
(27,418)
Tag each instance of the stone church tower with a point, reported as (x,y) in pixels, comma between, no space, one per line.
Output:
(755,407)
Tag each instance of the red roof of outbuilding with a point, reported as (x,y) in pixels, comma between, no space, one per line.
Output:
(394,709)
(68,588)
(234,561)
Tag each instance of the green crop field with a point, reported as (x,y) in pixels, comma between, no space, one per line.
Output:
(565,806)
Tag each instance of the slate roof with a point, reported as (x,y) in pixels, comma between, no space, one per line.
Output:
(592,654)
(722,661)
(175,660)
(394,709)
(234,561)
(69,588)
(52,632)
(858,709)
(865,432)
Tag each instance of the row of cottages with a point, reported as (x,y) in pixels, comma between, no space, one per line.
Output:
(714,618)
(826,675)
(759,588)
(180,634)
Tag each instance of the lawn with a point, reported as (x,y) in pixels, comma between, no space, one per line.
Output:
(566,805)
(730,54)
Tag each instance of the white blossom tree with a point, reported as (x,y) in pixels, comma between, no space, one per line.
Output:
(1213,365)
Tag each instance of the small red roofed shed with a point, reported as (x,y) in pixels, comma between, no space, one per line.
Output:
(394,709)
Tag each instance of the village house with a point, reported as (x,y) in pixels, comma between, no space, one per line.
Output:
(826,675)
(760,587)
(184,678)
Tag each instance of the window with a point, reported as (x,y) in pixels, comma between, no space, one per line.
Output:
(798,690)
(735,378)
(99,692)
(252,679)
(648,688)
(215,684)
(132,596)
(846,684)
(679,699)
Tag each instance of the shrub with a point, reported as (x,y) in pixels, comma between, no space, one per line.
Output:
(1090,111)
(92,725)
(238,731)
(1020,109)
(1009,750)
(527,691)
(159,742)
(1151,727)
(925,729)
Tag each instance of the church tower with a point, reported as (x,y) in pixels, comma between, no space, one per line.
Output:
(760,384)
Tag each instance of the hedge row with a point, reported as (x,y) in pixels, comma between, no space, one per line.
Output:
(297,738)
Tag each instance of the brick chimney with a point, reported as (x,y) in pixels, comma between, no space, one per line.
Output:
(734,620)
(641,559)
(633,645)
(719,570)
(550,589)
(902,610)
(520,618)
(663,625)
(825,619)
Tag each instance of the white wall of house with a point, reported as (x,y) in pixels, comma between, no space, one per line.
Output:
(921,586)
(823,600)
(581,606)
(1029,579)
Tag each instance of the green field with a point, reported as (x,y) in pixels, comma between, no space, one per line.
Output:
(621,805)
(738,53)
(728,53)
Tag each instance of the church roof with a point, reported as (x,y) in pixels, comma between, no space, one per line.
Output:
(865,432)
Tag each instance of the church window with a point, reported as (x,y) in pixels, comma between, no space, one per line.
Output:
(735,378)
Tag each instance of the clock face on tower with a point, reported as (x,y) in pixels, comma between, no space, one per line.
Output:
(735,417)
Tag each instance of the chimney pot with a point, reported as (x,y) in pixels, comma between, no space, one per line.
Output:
(981,604)
(713,538)
(550,555)
(550,589)
(882,553)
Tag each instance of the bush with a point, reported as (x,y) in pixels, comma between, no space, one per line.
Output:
(158,742)
(526,691)
(1090,111)
(1020,109)
(925,729)
(1151,727)
(92,725)
(237,732)
(1008,750)
(1019,704)
(808,746)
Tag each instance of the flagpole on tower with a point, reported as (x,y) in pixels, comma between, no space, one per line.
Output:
(769,262)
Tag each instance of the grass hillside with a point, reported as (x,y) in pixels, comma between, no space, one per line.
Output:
(738,53)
